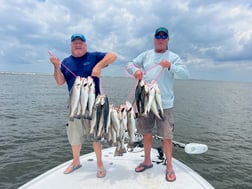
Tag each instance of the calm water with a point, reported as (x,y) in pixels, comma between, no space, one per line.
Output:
(33,139)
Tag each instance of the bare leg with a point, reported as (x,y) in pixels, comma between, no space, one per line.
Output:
(147,140)
(101,171)
(98,152)
(167,146)
(170,174)
(76,154)
(76,158)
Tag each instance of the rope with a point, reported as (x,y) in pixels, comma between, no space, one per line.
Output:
(132,90)
(101,86)
(51,54)
(68,69)
(130,76)
(160,73)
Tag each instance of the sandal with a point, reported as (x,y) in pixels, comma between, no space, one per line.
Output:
(170,176)
(101,172)
(141,167)
(71,168)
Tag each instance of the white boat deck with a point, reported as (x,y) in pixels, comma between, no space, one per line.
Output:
(120,174)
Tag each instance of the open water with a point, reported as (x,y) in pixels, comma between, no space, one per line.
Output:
(33,112)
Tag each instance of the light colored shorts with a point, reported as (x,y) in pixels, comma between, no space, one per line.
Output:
(76,130)
(165,128)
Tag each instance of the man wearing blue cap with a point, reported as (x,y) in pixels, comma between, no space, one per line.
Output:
(159,65)
(81,63)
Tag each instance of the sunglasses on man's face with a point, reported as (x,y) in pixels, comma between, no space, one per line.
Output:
(161,36)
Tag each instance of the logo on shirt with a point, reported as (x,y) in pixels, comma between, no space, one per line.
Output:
(86,63)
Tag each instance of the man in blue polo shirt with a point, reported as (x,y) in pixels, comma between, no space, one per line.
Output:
(81,63)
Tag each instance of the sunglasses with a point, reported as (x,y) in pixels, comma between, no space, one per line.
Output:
(161,36)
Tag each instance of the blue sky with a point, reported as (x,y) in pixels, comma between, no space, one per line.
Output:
(213,37)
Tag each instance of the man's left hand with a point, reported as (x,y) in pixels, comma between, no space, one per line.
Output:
(165,64)
(96,72)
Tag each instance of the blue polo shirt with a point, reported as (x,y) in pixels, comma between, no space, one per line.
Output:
(81,66)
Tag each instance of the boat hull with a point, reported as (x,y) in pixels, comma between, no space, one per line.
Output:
(120,174)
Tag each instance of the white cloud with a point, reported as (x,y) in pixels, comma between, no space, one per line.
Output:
(211,36)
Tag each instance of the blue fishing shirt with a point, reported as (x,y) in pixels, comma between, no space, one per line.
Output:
(148,62)
(81,66)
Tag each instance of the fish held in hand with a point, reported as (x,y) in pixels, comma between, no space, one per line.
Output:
(140,96)
(159,100)
(83,97)
(74,97)
(131,124)
(91,96)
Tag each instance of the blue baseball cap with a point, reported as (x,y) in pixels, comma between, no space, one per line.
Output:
(162,29)
(78,36)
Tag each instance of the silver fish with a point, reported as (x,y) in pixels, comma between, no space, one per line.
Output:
(154,109)
(116,122)
(74,97)
(109,124)
(123,116)
(108,132)
(98,114)
(159,100)
(115,117)
(140,96)
(100,128)
(111,128)
(100,118)
(109,136)
(113,134)
(84,97)
(123,122)
(91,96)
(93,121)
(151,97)
(131,124)
(106,113)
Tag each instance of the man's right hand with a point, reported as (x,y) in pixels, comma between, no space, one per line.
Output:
(55,61)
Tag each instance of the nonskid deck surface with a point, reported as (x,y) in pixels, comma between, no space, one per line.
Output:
(120,174)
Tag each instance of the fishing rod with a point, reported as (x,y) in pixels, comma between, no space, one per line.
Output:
(190,148)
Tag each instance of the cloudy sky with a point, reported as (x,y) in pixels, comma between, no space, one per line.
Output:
(213,37)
